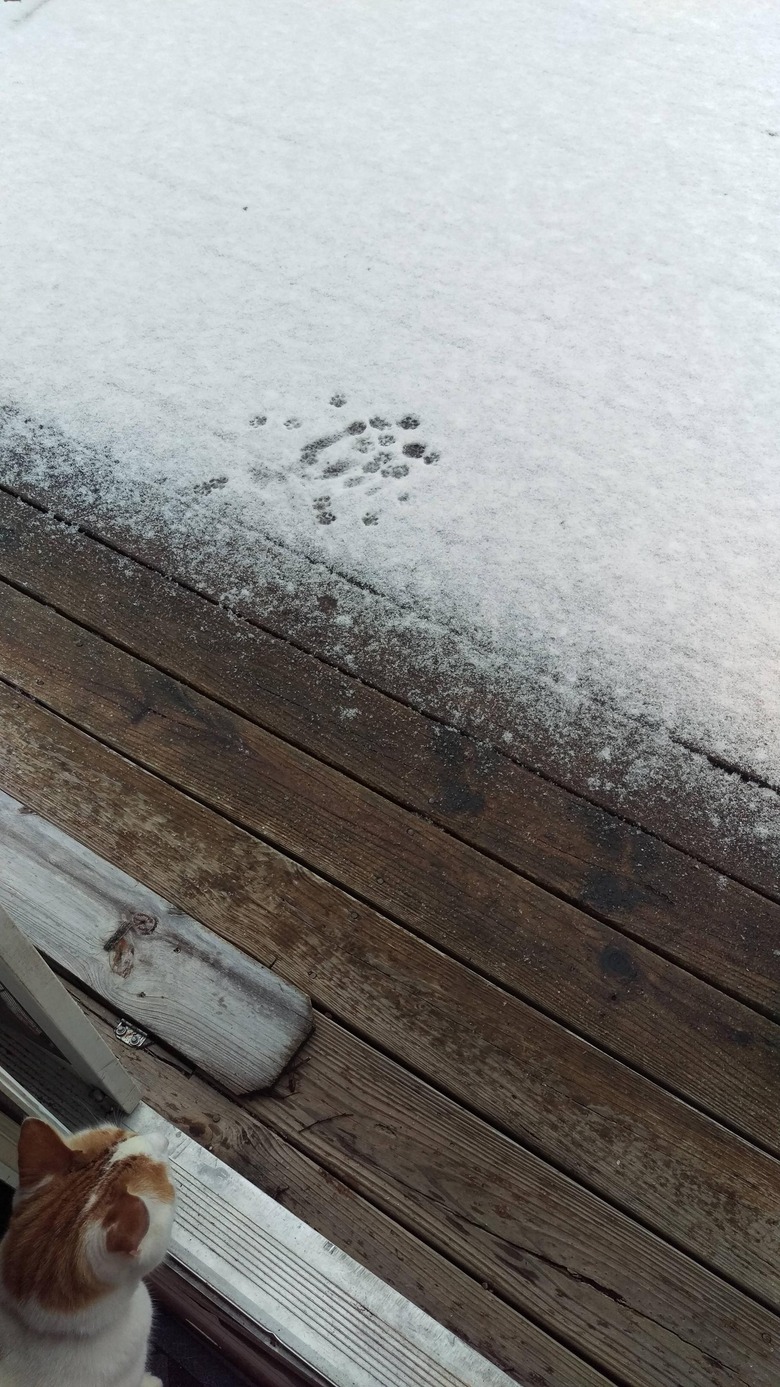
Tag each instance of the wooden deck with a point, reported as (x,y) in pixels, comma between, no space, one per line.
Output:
(541,1096)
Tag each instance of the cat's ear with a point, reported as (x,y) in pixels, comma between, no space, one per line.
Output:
(42,1152)
(126,1224)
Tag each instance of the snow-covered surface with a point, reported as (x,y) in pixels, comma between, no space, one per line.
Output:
(545,230)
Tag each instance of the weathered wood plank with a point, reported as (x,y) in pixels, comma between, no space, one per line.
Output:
(565,1248)
(547,1246)
(235,1019)
(676,1322)
(627,877)
(683,796)
(681,1173)
(455,1299)
(639,1006)
(194,1310)
(203,1321)
(636,1306)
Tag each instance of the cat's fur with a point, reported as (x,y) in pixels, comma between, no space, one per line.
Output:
(91,1217)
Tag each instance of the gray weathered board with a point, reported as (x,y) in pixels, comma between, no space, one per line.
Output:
(228,1014)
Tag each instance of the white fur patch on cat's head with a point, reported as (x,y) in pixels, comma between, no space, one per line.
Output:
(154,1145)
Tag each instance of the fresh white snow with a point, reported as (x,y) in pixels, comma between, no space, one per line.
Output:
(545,229)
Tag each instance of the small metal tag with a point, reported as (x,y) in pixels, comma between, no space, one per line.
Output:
(130,1035)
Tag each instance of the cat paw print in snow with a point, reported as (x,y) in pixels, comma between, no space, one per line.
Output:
(365,464)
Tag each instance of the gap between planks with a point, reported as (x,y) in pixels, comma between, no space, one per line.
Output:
(667,1024)
(614,1132)
(311,622)
(661,1330)
(295,1115)
(707,923)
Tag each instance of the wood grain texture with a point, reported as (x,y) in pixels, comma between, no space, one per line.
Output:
(627,877)
(632,1303)
(642,1008)
(233,1018)
(684,796)
(640,1309)
(680,1324)
(194,1309)
(684,1175)
(635,1305)
(453,1298)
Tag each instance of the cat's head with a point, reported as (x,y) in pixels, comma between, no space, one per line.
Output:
(92,1212)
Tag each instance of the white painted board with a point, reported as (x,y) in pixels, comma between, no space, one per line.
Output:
(42,996)
(233,1018)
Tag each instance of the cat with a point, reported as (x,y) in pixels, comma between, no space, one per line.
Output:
(92,1215)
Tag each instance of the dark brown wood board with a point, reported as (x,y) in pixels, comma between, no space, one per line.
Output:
(540,1241)
(543,1243)
(686,795)
(703,920)
(352,1223)
(677,1323)
(704,1045)
(684,1175)
(455,1126)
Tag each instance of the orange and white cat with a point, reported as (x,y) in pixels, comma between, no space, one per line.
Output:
(91,1217)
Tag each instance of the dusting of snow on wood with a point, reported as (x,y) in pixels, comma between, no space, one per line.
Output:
(475,306)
